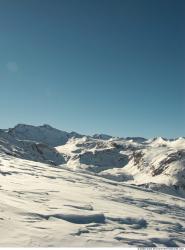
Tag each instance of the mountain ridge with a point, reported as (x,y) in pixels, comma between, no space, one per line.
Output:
(90,191)
(152,162)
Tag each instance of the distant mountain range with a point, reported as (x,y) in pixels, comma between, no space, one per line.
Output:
(156,163)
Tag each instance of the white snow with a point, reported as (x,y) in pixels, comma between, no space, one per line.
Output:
(90,191)
(158,163)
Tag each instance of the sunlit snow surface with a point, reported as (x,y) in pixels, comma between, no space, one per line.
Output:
(66,189)
(51,206)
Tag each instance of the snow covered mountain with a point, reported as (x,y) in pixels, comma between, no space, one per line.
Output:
(44,206)
(29,150)
(90,190)
(44,134)
(156,163)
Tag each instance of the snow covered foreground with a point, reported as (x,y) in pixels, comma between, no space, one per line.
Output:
(90,191)
(48,206)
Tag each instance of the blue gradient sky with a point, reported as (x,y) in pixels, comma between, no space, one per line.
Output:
(111,66)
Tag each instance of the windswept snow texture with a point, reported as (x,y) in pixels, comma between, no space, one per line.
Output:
(44,206)
(65,189)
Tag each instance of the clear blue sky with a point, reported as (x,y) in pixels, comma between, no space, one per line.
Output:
(110,66)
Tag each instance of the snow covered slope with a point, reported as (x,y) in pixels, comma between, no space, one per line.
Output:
(44,134)
(65,189)
(29,150)
(44,206)
(156,163)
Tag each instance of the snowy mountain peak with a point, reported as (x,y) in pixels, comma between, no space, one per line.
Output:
(47,126)
(132,159)
(96,187)
(136,139)
(43,134)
